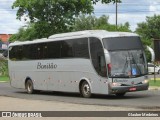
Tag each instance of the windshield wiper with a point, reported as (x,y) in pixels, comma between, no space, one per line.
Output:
(120,75)
(135,63)
(125,66)
(128,63)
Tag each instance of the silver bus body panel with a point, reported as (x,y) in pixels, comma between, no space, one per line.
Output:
(65,77)
(65,74)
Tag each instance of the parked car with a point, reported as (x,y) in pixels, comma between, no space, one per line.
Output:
(151,68)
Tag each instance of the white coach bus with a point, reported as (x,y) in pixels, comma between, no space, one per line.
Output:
(85,62)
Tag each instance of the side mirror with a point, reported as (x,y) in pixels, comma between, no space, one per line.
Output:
(5,53)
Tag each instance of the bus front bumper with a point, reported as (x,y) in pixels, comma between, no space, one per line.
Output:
(124,89)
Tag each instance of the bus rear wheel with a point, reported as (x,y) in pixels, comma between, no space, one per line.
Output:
(85,90)
(29,87)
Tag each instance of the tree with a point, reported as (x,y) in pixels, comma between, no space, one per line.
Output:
(81,23)
(150,29)
(53,16)
(3,67)
(91,22)
(24,34)
(84,23)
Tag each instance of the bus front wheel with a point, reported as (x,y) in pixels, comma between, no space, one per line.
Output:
(29,87)
(120,94)
(85,90)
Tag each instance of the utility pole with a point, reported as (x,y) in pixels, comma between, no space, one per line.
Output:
(116,14)
(156,44)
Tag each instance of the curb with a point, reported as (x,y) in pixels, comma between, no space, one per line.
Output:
(3,81)
(154,88)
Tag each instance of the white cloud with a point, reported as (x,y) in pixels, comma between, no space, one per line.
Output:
(152,8)
(8,22)
(131,11)
(133,19)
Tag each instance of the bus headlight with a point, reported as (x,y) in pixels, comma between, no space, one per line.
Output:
(145,81)
(115,84)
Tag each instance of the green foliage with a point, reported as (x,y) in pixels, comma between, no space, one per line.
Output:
(150,29)
(91,22)
(81,23)
(85,23)
(24,34)
(50,16)
(148,55)
(3,68)
(4,78)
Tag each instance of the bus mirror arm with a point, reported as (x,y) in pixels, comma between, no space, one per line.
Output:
(5,53)
(107,58)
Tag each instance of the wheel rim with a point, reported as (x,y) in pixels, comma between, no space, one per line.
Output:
(29,87)
(86,89)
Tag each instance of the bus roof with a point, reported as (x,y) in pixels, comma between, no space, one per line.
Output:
(70,35)
(96,33)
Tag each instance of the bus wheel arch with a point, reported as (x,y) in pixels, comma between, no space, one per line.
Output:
(29,85)
(85,88)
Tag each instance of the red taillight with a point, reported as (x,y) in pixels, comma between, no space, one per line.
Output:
(109,68)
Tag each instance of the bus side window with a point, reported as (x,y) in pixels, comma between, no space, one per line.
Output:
(97,56)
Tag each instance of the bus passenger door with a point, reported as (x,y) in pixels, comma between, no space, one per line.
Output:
(97,56)
(99,64)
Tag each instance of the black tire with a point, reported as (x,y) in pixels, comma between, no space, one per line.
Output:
(29,87)
(85,90)
(158,71)
(120,94)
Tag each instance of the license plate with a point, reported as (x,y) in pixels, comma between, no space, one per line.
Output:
(132,89)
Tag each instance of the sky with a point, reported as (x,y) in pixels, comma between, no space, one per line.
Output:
(132,11)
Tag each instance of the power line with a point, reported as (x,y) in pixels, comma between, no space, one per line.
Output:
(127,12)
(8,10)
(138,4)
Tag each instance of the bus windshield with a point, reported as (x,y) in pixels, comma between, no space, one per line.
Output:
(129,63)
(126,62)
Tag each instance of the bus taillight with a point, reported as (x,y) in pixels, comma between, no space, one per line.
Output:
(109,68)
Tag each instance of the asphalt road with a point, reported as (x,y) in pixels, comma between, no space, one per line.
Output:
(148,100)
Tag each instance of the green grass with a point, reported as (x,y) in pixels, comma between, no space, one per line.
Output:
(155,83)
(156,79)
(4,78)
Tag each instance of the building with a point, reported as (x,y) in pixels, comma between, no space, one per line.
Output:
(4,41)
(5,37)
